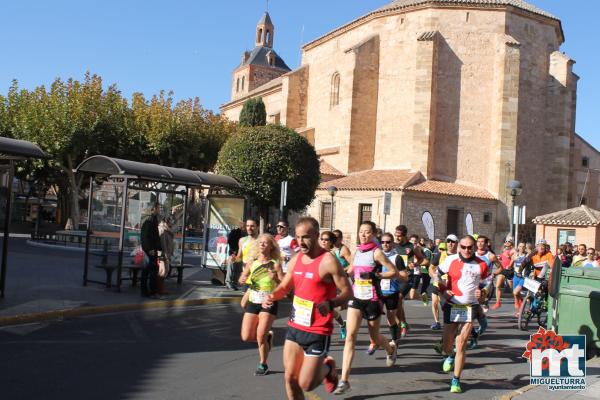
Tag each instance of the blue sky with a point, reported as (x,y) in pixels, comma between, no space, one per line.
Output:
(192,46)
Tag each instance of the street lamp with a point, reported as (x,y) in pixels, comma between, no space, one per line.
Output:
(332,190)
(515,189)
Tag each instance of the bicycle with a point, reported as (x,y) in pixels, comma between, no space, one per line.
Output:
(535,303)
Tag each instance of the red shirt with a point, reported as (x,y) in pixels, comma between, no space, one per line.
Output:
(309,287)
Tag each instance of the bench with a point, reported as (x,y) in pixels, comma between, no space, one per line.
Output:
(180,269)
(133,269)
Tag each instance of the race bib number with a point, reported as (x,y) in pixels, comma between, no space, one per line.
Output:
(460,313)
(302,311)
(258,296)
(386,285)
(532,285)
(363,289)
(517,268)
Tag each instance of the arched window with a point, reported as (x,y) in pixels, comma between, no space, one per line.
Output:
(237,85)
(259,35)
(270,58)
(335,90)
(243,81)
(268,37)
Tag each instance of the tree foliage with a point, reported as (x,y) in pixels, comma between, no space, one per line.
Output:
(73,120)
(260,158)
(253,113)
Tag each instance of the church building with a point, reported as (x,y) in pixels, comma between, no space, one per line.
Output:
(439,103)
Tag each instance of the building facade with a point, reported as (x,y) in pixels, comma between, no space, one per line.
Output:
(441,103)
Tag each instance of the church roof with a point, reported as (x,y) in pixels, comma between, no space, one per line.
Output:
(399,4)
(582,216)
(451,189)
(265,19)
(329,170)
(408,4)
(258,56)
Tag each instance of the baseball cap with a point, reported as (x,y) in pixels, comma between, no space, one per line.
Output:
(442,246)
(541,241)
(452,237)
(509,239)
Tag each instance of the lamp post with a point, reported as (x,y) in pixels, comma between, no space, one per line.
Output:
(332,190)
(515,189)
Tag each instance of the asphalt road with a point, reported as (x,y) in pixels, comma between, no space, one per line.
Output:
(196,354)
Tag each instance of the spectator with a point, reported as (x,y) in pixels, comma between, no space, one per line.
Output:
(167,241)
(580,257)
(152,247)
(591,260)
(234,268)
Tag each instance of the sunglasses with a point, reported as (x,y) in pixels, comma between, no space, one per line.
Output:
(386,242)
(466,247)
(450,241)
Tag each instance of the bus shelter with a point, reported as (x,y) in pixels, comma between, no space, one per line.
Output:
(121,191)
(12,150)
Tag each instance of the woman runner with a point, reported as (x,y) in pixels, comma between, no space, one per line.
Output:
(327,241)
(262,273)
(366,300)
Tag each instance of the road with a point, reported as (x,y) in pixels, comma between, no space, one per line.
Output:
(196,354)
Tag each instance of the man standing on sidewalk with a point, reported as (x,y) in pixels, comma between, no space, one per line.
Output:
(152,247)
(234,268)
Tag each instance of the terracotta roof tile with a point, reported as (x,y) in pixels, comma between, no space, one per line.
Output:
(451,189)
(582,215)
(374,180)
(327,169)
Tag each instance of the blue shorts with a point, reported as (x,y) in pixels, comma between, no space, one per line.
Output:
(518,281)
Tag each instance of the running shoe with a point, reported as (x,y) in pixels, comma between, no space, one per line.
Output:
(448,364)
(497,305)
(436,326)
(403,329)
(270,336)
(343,331)
(455,386)
(261,370)
(331,379)
(342,387)
(371,350)
(425,298)
(438,348)
(390,359)
(472,343)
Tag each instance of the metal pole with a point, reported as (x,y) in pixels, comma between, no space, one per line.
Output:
(122,234)
(517,209)
(511,214)
(331,219)
(88,232)
(185,200)
(6,228)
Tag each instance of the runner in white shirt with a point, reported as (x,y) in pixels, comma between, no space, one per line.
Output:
(287,244)
(462,296)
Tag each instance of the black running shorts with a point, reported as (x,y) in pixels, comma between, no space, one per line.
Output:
(254,308)
(370,309)
(314,345)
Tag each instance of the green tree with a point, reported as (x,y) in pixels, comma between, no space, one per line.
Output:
(253,113)
(260,158)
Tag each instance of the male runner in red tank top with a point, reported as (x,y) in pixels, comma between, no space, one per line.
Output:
(316,276)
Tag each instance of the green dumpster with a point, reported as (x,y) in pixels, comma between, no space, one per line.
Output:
(579,313)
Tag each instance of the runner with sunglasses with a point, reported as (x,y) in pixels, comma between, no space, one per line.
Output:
(462,296)
(326,241)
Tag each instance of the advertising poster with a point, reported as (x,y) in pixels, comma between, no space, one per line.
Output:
(224,214)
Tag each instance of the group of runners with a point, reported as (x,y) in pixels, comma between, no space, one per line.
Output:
(322,277)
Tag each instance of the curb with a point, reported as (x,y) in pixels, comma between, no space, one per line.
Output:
(516,392)
(95,310)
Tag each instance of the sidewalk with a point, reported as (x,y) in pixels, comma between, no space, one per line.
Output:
(591,392)
(43,280)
